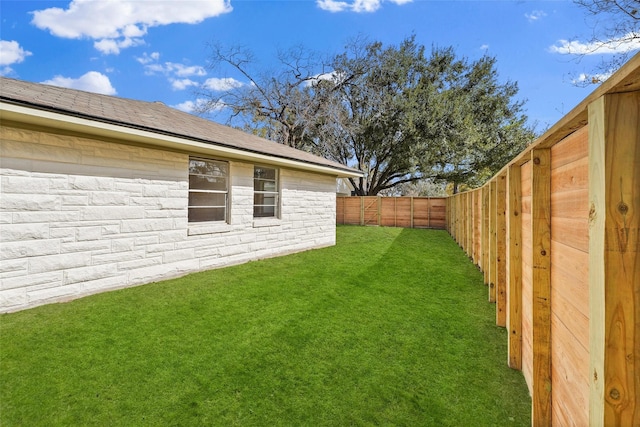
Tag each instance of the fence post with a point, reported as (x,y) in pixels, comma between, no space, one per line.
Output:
(501,251)
(614,260)
(541,283)
(395,211)
(492,240)
(469,225)
(514,258)
(463,223)
(485,232)
(411,211)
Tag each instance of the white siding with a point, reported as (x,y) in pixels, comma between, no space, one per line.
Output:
(80,216)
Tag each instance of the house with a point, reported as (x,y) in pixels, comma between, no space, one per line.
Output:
(99,193)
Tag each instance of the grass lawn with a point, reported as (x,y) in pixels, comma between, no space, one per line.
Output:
(389,327)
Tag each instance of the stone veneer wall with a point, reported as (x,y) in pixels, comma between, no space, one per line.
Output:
(80,216)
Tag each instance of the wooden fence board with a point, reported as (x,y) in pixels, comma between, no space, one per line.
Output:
(408,212)
(570,371)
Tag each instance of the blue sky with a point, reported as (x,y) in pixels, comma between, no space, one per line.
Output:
(157,50)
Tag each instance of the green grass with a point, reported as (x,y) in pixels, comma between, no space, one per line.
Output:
(389,327)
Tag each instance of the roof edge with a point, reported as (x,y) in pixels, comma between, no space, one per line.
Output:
(25,112)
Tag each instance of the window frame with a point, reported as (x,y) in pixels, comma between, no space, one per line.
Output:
(226,192)
(276,193)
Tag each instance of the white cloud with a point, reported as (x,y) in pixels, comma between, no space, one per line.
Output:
(119,24)
(535,15)
(366,5)
(187,106)
(174,69)
(222,84)
(148,58)
(484,47)
(358,6)
(332,5)
(92,81)
(199,104)
(184,70)
(11,53)
(622,45)
(112,46)
(182,84)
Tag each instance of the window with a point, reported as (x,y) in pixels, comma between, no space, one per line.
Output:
(208,190)
(265,192)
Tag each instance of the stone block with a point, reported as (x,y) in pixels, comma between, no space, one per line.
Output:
(12,299)
(35,202)
(16,232)
(64,234)
(115,257)
(93,247)
(84,274)
(57,293)
(145,225)
(96,213)
(123,244)
(21,249)
(178,255)
(53,217)
(74,200)
(91,183)
(89,233)
(140,263)
(24,185)
(43,264)
(109,198)
(13,267)
(104,284)
(36,280)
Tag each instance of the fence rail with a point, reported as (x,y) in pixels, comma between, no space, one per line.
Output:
(408,212)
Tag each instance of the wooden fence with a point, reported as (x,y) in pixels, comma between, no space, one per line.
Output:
(556,233)
(409,212)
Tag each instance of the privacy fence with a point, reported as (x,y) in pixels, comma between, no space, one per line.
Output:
(556,233)
(409,212)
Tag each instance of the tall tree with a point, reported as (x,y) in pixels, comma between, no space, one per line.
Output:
(392,112)
(368,124)
(404,117)
(475,127)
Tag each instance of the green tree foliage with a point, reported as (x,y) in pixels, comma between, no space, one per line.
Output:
(393,112)
(375,98)
(473,125)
